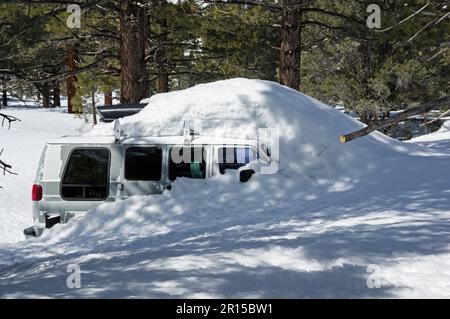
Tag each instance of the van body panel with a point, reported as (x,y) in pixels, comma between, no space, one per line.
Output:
(56,155)
(50,174)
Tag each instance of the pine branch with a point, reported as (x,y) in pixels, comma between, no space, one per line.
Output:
(21,78)
(333,14)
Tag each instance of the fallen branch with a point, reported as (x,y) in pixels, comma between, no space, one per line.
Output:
(436,119)
(399,117)
(6,168)
(8,118)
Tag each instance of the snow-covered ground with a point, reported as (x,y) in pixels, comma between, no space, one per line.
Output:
(22,146)
(334,221)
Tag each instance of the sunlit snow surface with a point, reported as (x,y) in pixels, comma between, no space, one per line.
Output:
(311,230)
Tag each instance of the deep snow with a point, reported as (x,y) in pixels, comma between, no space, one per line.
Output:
(311,230)
(23,144)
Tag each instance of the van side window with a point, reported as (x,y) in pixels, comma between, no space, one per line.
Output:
(86,175)
(143,163)
(187,162)
(234,157)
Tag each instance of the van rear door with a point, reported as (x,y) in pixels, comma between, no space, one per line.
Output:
(77,177)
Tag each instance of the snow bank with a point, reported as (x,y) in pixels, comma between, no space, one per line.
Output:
(23,144)
(312,161)
(309,130)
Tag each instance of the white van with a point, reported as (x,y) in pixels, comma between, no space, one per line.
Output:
(77,173)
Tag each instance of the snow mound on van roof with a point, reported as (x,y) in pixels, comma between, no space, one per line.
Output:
(234,108)
(309,130)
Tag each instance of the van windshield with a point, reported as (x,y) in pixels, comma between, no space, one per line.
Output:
(86,175)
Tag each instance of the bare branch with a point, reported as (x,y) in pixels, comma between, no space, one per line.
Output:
(8,118)
(6,168)
(437,20)
(406,19)
(436,104)
(436,119)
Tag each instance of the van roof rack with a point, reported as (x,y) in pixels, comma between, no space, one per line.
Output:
(189,131)
(118,133)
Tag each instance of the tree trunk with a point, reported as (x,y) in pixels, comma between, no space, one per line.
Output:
(4,98)
(4,93)
(45,91)
(56,94)
(289,68)
(399,117)
(161,57)
(94,112)
(72,63)
(108,97)
(134,32)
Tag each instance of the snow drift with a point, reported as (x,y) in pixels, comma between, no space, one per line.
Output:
(309,130)
(312,161)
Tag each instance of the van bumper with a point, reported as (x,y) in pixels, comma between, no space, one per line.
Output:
(36,231)
(32,231)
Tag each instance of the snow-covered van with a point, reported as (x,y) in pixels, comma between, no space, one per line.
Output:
(77,173)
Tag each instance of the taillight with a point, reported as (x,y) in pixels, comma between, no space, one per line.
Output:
(36,194)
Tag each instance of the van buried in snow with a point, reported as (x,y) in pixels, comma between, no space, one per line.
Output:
(77,173)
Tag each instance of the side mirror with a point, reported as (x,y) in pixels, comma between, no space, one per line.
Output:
(245,175)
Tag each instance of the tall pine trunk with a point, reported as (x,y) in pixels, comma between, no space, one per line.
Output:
(4,98)
(94,111)
(45,91)
(108,97)
(72,63)
(162,61)
(161,55)
(4,94)
(56,94)
(134,30)
(289,68)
